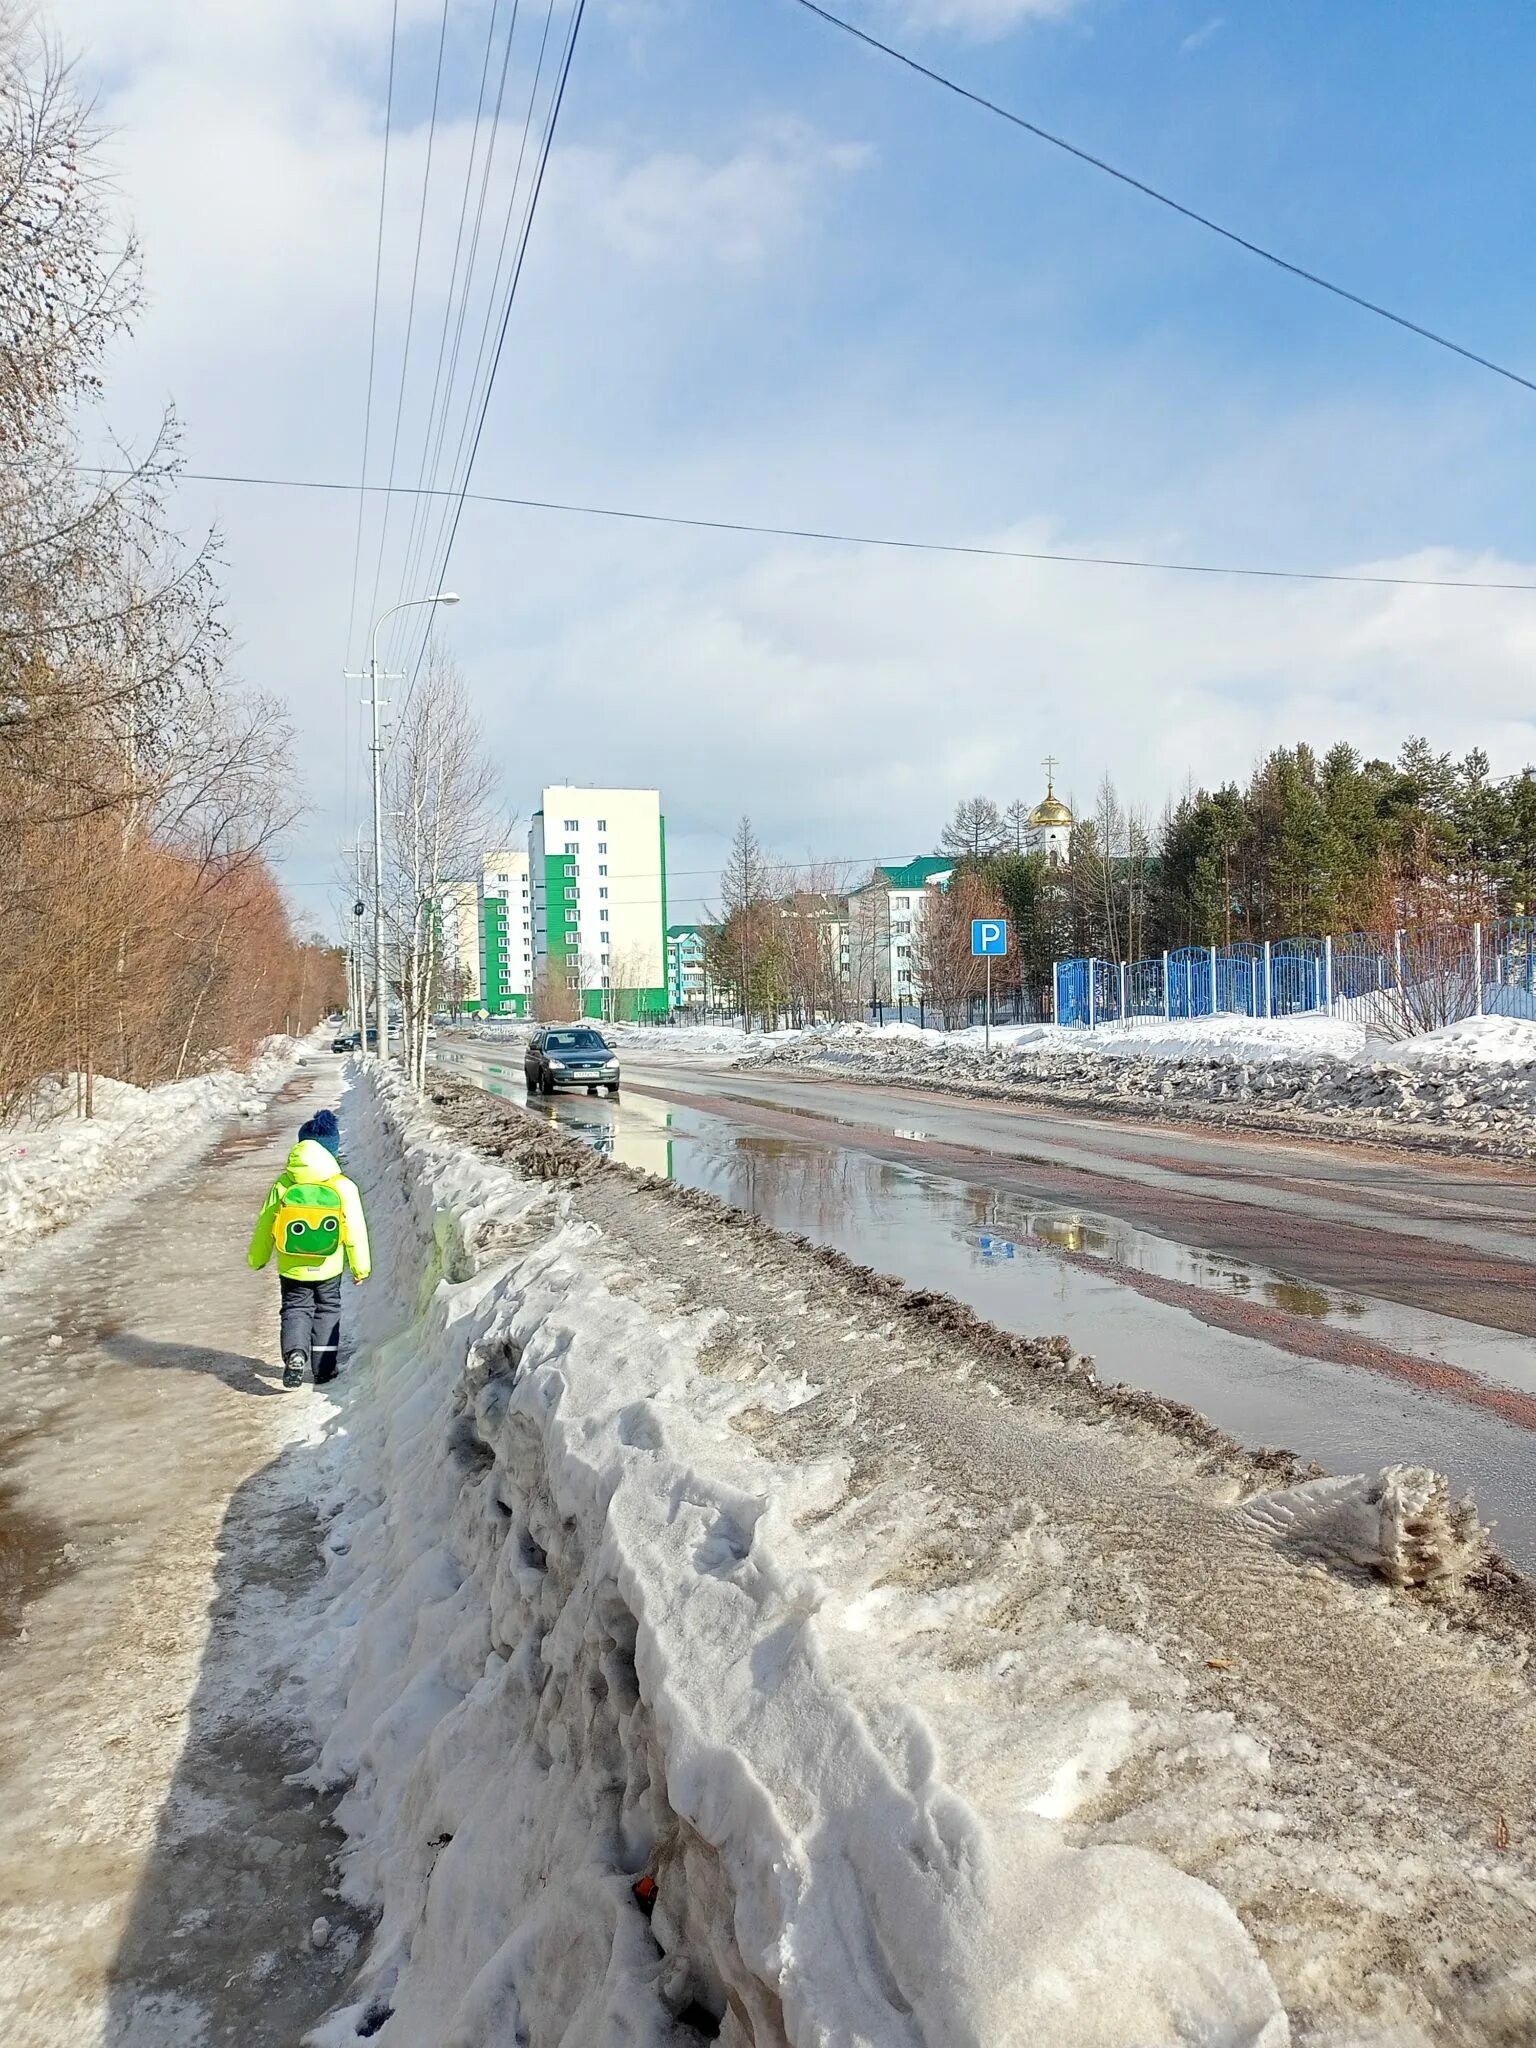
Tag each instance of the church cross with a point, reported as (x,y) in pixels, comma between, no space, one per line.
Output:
(1049,765)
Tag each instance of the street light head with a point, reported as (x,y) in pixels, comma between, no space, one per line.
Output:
(444,597)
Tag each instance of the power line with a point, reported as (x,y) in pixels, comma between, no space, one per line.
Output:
(432,446)
(1147,191)
(900,543)
(546,144)
(373,343)
(432,546)
(410,314)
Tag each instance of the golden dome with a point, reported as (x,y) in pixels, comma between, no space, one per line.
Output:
(1050,811)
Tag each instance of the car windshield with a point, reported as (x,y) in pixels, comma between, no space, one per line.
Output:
(575,1041)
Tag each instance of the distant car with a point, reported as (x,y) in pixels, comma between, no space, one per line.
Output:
(569,1056)
(347,1041)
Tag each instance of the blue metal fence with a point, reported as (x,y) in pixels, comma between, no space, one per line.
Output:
(1413,980)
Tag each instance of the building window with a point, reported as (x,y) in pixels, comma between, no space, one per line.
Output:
(602,892)
(570,846)
(606,982)
(903,974)
(602,917)
(901,903)
(602,824)
(602,846)
(902,952)
(573,824)
(571,895)
(602,867)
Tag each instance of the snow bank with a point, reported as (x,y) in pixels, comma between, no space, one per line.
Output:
(1477,1077)
(1476,1041)
(55,1166)
(581,1641)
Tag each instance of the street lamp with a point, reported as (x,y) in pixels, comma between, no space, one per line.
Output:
(380,995)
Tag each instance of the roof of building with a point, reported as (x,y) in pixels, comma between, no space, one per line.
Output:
(685,931)
(1050,811)
(917,872)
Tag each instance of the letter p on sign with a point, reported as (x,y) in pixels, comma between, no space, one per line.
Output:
(989,936)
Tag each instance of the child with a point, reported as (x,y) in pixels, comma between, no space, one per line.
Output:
(313,1219)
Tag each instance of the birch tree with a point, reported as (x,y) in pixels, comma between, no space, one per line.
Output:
(439,789)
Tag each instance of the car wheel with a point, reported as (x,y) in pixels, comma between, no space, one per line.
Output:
(546,1084)
(613,1087)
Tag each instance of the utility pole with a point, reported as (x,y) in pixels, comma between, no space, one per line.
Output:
(374,678)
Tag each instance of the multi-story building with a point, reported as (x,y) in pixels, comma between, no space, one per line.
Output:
(463,970)
(885,919)
(598,880)
(686,987)
(506,934)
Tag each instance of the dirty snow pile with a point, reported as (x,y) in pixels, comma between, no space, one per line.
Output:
(636,1751)
(56,1166)
(1477,1077)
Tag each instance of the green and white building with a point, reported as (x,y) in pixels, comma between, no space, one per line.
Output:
(597,867)
(686,984)
(883,943)
(506,934)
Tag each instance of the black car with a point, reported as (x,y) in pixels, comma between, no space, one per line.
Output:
(569,1056)
(347,1041)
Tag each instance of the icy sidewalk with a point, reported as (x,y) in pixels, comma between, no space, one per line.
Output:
(664,1557)
(56,1167)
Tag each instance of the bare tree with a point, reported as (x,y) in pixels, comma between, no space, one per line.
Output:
(439,790)
(948,973)
(1016,824)
(976,830)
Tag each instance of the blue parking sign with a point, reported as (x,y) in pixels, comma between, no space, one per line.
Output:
(989,936)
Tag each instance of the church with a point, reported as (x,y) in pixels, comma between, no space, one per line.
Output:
(1049,830)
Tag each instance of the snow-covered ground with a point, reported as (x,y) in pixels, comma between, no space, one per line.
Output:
(1475,1079)
(55,1166)
(665,1716)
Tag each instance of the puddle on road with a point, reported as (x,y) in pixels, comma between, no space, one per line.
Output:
(997,1252)
(910,1211)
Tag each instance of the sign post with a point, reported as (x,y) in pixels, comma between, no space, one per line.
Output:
(989,942)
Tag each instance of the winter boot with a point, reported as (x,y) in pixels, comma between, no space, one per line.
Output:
(293,1369)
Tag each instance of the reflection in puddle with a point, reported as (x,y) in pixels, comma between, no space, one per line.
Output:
(1000,1254)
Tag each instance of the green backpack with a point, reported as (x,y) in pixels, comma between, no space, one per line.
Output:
(308,1222)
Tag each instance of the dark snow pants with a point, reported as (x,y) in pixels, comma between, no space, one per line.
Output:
(311,1322)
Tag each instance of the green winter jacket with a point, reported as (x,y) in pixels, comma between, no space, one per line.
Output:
(338,1213)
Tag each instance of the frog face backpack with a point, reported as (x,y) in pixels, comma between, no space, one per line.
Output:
(307,1227)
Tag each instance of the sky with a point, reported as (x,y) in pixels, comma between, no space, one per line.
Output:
(774,277)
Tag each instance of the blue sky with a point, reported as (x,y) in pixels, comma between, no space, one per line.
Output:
(776,278)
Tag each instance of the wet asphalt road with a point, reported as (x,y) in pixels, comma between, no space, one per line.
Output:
(1359,1306)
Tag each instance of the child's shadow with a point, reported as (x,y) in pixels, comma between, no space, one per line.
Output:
(248,1375)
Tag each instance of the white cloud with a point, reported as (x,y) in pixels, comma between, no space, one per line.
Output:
(1204,33)
(674,208)
(982,20)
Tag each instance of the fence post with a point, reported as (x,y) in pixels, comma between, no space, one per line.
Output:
(1477,968)
(1269,983)
(1328,974)
(1125,976)
(1167,996)
(1093,990)
(1213,981)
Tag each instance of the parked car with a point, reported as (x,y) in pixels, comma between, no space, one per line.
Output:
(347,1041)
(569,1056)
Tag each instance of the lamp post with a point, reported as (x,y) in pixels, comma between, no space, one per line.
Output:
(380,994)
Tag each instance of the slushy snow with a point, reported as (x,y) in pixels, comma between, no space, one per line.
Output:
(578,1634)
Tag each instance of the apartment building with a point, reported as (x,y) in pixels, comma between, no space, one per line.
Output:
(686,986)
(885,920)
(506,933)
(598,887)
(463,979)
